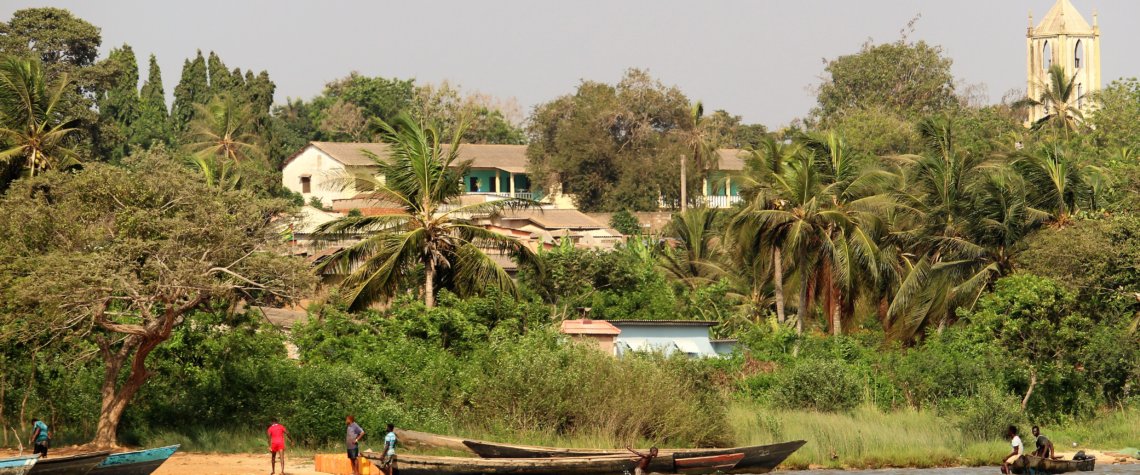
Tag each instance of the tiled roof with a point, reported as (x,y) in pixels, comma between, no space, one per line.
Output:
(730,159)
(1063,18)
(663,323)
(510,158)
(348,153)
(554,218)
(586,326)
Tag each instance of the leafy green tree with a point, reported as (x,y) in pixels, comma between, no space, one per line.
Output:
(1035,320)
(444,105)
(153,124)
(431,231)
(909,79)
(877,131)
(611,147)
(62,41)
(1113,122)
(626,223)
(30,123)
(378,97)
(193,88)
(117,257)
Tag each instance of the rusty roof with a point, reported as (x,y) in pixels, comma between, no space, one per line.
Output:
(553,218)
(663,323)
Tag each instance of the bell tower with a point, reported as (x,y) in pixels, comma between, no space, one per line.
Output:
(1063,37)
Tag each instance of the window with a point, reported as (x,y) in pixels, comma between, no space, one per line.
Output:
(474,184)
(1078,55)
(1046,57)
(306,185)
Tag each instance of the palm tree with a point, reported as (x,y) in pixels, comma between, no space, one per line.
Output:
(1060,99)
(753,249)
(697,141)
(697,259)
(30,121)
(223,128)
(1059,180)
(826,223)
(430,230)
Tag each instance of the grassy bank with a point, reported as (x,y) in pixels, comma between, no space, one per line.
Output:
(870,438)
(863,438)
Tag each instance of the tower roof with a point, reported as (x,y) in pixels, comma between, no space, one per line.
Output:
(1063,18)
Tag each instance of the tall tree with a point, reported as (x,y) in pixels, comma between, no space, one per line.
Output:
(909,79)
(153,124)
(30,122)
(118,257)
(430,231)
(193,88)
(119,104)
(62,41)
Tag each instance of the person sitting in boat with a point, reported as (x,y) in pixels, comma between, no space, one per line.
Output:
(1044,445)
(643,464)
(1018,448)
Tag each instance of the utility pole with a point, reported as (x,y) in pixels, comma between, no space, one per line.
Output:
(684,187)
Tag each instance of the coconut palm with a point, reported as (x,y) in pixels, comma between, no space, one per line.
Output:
(696,260)
(430,231)
(30,121)
(1060,179)
(1060,99)
(826,223)
(223,128)
(697,142)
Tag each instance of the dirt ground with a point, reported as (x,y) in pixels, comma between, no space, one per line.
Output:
(1102,458)
(232,464)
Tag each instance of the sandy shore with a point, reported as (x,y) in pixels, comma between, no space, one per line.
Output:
(1102,457)
(232,464)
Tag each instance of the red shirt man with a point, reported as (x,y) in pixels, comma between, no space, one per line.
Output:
(276,434)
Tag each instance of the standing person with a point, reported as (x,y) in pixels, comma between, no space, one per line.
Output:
(1018,448)
(1044,445)
(351,440)
(643,464)
(276,435)
(389,464)
(40,438)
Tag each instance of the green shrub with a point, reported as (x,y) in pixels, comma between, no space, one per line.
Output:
(626,223)
(987,415)
(823,385)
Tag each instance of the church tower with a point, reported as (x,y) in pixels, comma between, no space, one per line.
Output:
(1063,37)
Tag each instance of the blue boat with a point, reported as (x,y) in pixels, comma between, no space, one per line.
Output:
(139,462)
(78,464)
(17,465)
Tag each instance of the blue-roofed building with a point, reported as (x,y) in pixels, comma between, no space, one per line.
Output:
(668,337)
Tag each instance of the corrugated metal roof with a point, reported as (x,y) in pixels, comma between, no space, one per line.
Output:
(662,323)
(553,218)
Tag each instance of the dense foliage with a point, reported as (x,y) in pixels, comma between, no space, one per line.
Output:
(902,249)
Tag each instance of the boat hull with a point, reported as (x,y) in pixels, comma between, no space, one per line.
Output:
(426,465)
(1050,466)
(71,465)
(757,458)
(139,462)
(17,465)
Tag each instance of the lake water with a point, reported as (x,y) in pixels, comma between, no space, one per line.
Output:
(1106,469)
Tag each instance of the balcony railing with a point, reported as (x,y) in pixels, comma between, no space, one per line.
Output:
(526,195)
(706,201)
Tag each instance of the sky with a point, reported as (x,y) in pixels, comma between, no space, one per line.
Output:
(759,59)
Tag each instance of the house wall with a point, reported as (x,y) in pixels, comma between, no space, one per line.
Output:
(664,336)
(605,343)
(716,181)
(323,174)
(485,177)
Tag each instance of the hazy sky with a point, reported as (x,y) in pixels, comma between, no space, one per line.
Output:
(759,59)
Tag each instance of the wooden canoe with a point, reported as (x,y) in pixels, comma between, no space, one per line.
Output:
(424,440)
(708,464)
(139,462)
(17,465)
(1050,466)
(757,458)
(70,465)
(609,464)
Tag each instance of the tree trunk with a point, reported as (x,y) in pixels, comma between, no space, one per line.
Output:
(684,187)
(115,398)
(802,314)
(778,280)
(884,307)
(1029,392)
(429,285)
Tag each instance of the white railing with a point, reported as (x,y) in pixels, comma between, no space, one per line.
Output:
(526,195)
(706,201)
